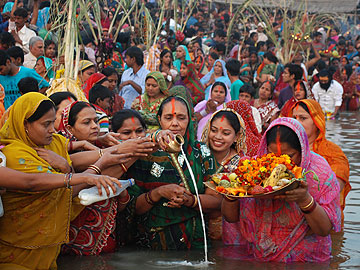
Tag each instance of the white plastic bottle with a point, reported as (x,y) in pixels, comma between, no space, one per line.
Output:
(91,195)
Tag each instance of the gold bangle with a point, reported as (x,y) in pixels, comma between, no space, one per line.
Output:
(123,167)
(195,201)
(65,177)
(126,200)
(101,153)
(308,205)
(95,168)
(229,199)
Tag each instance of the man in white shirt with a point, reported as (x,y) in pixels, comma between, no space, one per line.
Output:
(133,79)
(260,30)
(36,46)
(20,32)
(328,93)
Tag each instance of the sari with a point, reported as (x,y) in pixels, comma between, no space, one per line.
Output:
(147,109)
(49,65)
(35,224)
(203,69)
(93,230)
(66,85)
(267,111)
(202,106)
(224,78)
(252,134)
(192,83)
(275,230)
(96,78)
(164,228)
(177,62)
(327,149)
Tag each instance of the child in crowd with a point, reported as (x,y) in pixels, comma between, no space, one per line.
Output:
(28,84)
(247,94)
(100,97)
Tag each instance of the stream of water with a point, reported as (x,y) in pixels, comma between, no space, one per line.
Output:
(346,245)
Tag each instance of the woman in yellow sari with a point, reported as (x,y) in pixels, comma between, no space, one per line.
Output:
(35,224)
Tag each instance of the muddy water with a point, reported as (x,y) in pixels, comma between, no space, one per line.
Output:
(346,245)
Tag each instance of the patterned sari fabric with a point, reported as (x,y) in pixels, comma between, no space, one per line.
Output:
(35,224)
(327,149)
(147,109)
(92,232)
(252,134)
(267,111)
(275,230)
(192,83)
(165,228)
(285,110)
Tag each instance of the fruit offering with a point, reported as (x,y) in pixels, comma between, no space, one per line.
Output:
(258,176)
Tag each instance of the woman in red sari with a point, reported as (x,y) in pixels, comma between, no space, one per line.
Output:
(300,92)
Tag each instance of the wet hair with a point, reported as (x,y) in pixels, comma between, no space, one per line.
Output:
(76,109)
(120,116)
(28,84)
(221,84)
(233,67)
(59,97)
(286,135)
(231,117)
(169,99)
(99,91)
(15,52)
(247,88)
(137,53)
(44,107)
(3,57)
(21,12)
(108,71)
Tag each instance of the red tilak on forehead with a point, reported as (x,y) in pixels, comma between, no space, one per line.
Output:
(69,99)
(297,107)
(173,106)
(133,119)
(278,144)
(222,118)
(298,87)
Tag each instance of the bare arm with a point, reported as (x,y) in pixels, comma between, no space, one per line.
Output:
(35,13)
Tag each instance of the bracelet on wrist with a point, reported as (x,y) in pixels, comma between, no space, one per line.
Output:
(310,209)
(196,202)
(148,198)
(309,204)
(95,168)
(229,199)
(127,199)
(123,167)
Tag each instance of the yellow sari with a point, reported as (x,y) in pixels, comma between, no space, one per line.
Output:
(35,224)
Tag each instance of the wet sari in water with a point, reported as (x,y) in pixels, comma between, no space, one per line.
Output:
(275,230)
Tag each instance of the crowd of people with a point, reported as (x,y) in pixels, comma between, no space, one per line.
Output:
(229,99)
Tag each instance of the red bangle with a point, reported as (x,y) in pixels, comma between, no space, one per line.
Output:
(310,209)
(127,199)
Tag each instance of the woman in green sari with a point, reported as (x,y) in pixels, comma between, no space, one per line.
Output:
(148,103)
(167,214)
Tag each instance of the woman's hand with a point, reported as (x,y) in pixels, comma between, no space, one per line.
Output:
(109,139)
(172,192)
(112,157)
(299,195)
(101,181)
(164,137)
(211,106)
(139,147)
(56,161)
(83,145)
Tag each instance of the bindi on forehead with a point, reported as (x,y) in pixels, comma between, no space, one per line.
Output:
(173,107)
(133,119)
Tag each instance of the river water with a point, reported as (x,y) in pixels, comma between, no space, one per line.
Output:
(345,132)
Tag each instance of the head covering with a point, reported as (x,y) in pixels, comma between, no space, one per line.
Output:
(241,136)
(183,92)
(159,78)
(192,83)
(202,106)
(64,122)
(327,149)
(224,78)
(93,79)
(69,85)
(252,134)
(177,62)
(84,64)
(48,63)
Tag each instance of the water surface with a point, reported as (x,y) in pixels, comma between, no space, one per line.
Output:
(346,245)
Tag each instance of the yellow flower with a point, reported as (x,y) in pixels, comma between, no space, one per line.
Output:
(263,169)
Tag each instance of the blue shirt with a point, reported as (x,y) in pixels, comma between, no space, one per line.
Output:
(128,92)
(10,84)
(285,94)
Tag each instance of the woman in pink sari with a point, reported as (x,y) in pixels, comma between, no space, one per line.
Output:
(280,229)
(219,95)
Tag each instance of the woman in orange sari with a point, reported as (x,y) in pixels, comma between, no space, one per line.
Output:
(310,115)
